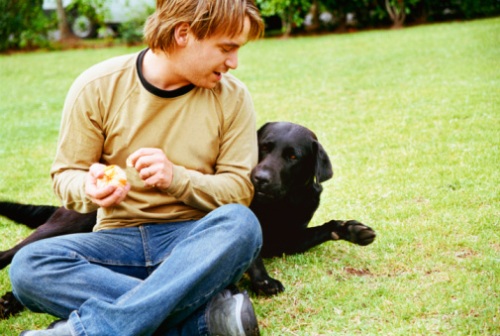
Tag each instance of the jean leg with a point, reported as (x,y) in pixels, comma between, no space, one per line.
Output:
(58,275)
(214,254)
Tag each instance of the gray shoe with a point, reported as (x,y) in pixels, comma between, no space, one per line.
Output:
(57,328)
(57,323)
(232,315)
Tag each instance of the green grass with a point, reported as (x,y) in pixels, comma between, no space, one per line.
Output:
(411,120)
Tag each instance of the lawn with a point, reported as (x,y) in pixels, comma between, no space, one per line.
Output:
(411,120)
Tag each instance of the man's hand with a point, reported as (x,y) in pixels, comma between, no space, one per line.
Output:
(154,168)
(106,196)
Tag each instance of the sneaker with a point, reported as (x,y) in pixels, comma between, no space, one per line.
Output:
(57,323)
(57,328)
(232,315)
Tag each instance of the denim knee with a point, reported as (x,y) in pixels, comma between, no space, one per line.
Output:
(23,273)
(245,224)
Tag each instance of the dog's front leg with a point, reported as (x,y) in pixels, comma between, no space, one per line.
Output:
(352,231)
(260,280)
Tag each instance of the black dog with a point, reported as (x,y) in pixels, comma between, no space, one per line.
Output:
(287,180)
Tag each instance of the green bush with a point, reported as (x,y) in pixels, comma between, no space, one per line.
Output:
(373,13)
(23,25)
(459,9)
(479,8)
(131,31)
(291,12)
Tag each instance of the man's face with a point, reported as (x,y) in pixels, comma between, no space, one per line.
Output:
(206,60)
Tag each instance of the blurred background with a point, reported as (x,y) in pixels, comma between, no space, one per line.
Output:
(53,24)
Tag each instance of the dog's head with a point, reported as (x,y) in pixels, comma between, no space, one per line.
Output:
(290,159)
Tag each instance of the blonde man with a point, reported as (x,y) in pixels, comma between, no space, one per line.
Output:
(166,246)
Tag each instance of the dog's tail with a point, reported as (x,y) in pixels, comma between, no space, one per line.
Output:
(28,214)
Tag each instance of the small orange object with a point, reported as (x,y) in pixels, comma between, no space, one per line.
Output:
(113,175)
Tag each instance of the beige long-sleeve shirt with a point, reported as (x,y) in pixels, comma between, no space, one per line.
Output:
(208,134)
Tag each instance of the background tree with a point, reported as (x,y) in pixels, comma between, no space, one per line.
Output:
(22,25)
(397,12)
(340,9)
(63,24)
(291,12)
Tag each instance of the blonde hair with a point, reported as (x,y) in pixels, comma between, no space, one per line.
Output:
(205,17)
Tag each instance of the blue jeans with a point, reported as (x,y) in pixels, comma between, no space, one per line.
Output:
(155,279)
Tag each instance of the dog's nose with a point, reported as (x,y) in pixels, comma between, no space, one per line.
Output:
(261,178)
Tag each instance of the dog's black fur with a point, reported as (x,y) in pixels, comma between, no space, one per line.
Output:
(287,180)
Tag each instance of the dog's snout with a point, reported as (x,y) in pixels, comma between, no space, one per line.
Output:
(261,177)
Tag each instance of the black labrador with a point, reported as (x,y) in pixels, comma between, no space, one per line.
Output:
(287,180)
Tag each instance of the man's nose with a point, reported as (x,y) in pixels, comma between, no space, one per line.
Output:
(232,60)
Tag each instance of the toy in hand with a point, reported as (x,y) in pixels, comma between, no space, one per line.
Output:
(113,175)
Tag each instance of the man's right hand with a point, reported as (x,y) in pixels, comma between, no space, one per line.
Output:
(103,196)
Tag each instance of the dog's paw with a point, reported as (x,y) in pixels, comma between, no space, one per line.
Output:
(9,306)
(359,233)
(268,287)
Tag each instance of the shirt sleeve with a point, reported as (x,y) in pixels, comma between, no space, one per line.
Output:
(79,144)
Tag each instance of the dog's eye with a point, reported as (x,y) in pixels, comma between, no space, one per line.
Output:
(290,154)
(265,147)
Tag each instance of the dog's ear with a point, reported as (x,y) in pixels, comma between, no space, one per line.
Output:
(263,128)
(323,169)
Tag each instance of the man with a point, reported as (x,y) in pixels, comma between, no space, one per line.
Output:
(168,245)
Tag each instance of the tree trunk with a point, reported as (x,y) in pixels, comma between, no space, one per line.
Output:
(287,21)
(64,28)
(396,11)
(314,11)
(342,21)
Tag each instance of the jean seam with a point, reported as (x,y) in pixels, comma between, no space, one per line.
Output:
(75,325)
(145,238)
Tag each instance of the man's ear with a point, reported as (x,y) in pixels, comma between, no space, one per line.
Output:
(182,34)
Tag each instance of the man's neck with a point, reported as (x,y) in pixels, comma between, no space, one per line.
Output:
(157,69)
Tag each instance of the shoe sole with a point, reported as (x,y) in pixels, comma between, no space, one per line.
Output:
(248,317)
